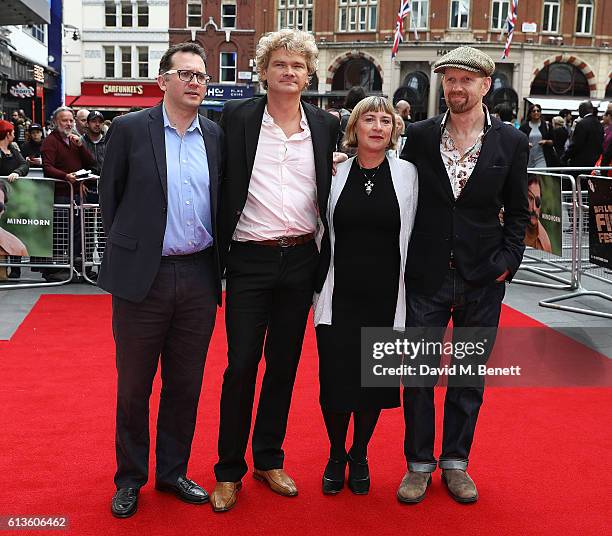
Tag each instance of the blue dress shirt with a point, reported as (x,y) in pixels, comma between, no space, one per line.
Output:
(188,221)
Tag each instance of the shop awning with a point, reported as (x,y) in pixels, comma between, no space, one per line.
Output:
(552,105)
(110,102)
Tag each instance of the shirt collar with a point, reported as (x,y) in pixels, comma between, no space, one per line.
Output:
(487,124)
(194,124)
(267,119)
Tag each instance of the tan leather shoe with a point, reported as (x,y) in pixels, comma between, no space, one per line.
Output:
(460,486)
(279,481)
(413,487)
(224,497)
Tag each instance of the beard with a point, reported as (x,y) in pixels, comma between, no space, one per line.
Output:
(462,105)
(64,131)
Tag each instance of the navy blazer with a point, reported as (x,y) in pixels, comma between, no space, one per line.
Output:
(468,226)
(134,198)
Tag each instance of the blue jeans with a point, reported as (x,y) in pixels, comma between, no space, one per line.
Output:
(468,306)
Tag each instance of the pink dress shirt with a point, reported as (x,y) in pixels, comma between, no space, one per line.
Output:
(282,198)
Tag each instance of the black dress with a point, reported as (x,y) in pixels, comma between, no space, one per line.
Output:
(366,278)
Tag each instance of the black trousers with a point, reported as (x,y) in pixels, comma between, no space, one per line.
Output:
(175,321)
(268,296)
(468,306)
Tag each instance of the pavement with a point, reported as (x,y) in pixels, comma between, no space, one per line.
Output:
(593,331)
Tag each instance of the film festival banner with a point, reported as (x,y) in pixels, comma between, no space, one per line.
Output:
(600,221)
(26,218)
(544,229)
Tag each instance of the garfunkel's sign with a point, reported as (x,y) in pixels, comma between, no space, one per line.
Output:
(122,90)
(21,90)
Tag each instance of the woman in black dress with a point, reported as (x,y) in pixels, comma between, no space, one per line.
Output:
(370,214)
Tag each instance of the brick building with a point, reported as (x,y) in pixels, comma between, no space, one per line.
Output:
(226,30)
(560,53)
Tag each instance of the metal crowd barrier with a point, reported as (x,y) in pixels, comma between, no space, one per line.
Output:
(585,267)
(93,239)
(63,246)
(563,270)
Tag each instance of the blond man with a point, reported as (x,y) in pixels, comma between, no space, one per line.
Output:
(277,179)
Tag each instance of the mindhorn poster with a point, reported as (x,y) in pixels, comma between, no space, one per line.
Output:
(26,218)
(600,221)
(544,230)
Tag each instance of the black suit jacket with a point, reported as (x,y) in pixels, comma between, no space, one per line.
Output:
(241,122)
(134,198)
(586,144)
(468,226)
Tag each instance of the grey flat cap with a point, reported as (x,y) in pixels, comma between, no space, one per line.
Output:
(466,58)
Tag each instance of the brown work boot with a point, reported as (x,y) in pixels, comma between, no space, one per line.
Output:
(460,485)
(279,481)
(224,497)
(413,487)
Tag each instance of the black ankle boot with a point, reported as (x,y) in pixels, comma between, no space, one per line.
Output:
(359,476)
(333,477)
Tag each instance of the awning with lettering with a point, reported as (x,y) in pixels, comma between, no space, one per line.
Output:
(110,102)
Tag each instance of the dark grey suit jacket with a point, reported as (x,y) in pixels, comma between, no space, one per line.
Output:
(134,198)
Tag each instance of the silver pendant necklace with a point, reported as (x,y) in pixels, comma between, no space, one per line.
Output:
(369,184)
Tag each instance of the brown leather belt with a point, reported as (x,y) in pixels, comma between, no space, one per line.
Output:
(283,241)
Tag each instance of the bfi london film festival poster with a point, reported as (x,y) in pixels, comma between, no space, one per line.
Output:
(26,218)
(544,229)
(600,221)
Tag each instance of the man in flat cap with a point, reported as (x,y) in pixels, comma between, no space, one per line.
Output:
(470,166)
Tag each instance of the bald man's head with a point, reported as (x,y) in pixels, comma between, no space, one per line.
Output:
(81,120)
(403,108)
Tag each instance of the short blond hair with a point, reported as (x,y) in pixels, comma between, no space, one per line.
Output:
(293,41)
(369,104)
(558,121)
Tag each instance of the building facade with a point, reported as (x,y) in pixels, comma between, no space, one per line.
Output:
(111,51)
(561,50)
(226,30)
(26,76)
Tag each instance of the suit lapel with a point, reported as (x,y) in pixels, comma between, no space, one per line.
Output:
(158,140)
(252,127)
(210,143)
(436,157)
(487,151)
(320,145)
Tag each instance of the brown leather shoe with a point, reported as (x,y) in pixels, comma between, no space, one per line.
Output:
(224,497)
(279,481)
(460,486)
(413,487)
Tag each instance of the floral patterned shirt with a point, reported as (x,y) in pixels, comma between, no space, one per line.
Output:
(459,167)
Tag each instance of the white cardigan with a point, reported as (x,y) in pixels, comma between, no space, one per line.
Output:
(405,183)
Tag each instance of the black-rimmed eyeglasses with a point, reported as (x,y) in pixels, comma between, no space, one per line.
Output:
(187,76)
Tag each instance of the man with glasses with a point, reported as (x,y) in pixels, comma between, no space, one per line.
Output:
(159,198)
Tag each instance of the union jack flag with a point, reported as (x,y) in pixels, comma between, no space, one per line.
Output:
(510,23)
(404,11)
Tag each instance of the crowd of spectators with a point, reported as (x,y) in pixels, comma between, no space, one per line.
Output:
(73,141)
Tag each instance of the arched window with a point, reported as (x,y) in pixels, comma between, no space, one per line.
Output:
(415,90)
(357,72)
(560,79)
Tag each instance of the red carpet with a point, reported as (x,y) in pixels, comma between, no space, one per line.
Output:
(540,457)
